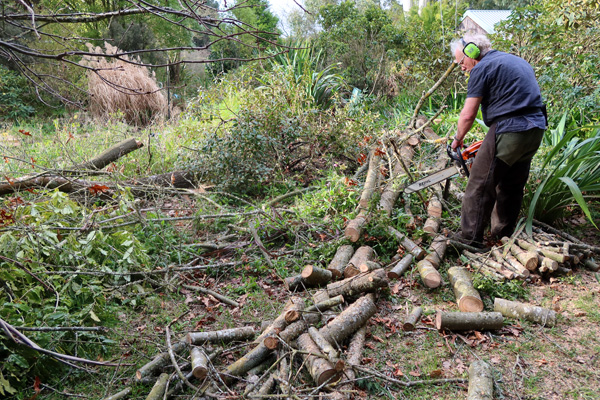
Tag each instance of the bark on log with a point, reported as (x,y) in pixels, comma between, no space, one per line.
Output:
(361,256)
(112,154)
(432,226)
(358,284)
(315,276)
(340,260)
(356,226)
(158,390)
(324,305)
(176,179)
(222,336)
(434,208)
(326,347)
(527,258)
(559,258)
(410,223)
(279,323)
(547,264)
(353,357)
(349,320)
(515,309)
(591,264)
(429,274)
(320,295)
(464,321)
(485,270)
(491,264)
(392,191)
(199,363)
(159,361)
(467,297)
(408,244)
(266,388)
(413,318)
(400,268)
(117,396)
(512,262)
(481,381)
(319,368)
(437,250)
(370,181)
(369,266)
(245,363)
(295,283)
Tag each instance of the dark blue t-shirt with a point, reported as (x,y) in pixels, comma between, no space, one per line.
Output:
(506,83)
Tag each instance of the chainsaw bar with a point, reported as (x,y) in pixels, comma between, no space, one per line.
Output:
(432,179)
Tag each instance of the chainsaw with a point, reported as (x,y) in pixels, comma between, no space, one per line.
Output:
(462,165)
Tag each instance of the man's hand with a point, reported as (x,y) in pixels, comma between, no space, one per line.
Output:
(457,143)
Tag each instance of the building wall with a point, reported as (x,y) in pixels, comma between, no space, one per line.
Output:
(468,25)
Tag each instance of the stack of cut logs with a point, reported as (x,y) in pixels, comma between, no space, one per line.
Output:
(543,252)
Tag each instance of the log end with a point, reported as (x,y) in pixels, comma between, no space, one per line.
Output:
(271,342)
(432,280)
(200,372)
(408,327)
(330,375)
(470,304)
(292,316)
(335,274)
(307,271)
(438,320)
(351,271)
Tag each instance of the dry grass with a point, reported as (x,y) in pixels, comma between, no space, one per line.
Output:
(118,86)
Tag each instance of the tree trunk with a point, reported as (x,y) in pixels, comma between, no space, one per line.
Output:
(199,363)
(361,256)
(467,297)
(112,154)
(358,284)
(464,321)
(408,244)
(515,309)
(340,260)
(400,268)
(158,390)
(222,336)
(481,381)
(413,318)
(349,320)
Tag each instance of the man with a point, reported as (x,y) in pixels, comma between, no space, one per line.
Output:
(505,87)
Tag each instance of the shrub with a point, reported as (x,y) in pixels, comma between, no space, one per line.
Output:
(14,96)
(117,85)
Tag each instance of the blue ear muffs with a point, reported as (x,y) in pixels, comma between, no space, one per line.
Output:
(471,50)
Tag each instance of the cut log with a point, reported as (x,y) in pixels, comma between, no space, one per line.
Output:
(267,387)
(358,284)
(401,267)
(295,283)
(340,260)
(515,309)
(356,226)
(295,303)
(361,256)
(349,320)
(316,276)
(176,179)
(547,264)
(591,264)
(410,223)
(353,357)
(320,295)
(392,190)
(159,361)
(158,390)
(370,180)
(369,266)
(199,363)
(464,321)
(434,208)
(429,274)
(326,347)
(324,305)
(514,264)
(467,297)
(529,259)
(485,270)
(432,226)
(222,336)
(412,319)
(122,394)
(491,264)
(245,363)
(559,258)
(437,250)
(481,381)
(319,368)
(408,244)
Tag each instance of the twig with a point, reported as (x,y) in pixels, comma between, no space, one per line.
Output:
(260,245)
(216,295)
(172,355)
(62,328)
(408,383)
(287,195)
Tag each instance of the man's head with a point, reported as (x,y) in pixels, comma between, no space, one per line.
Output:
(465,51)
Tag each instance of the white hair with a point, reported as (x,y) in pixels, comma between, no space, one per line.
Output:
(480,40)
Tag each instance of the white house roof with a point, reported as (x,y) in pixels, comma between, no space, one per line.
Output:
(487,19)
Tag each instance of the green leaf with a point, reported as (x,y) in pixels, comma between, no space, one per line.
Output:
(5,386)
(93,316)
(578,197)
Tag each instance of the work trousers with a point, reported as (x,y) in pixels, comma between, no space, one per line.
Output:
(495,188)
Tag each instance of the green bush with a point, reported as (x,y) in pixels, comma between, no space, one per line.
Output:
(15,98)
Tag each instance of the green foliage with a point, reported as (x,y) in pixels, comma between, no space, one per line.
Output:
(15,99)
(510,289)
(569,174)
(277,132)
(365,42)
(560,39)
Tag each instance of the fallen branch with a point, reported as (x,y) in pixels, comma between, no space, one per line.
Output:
(214,294)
